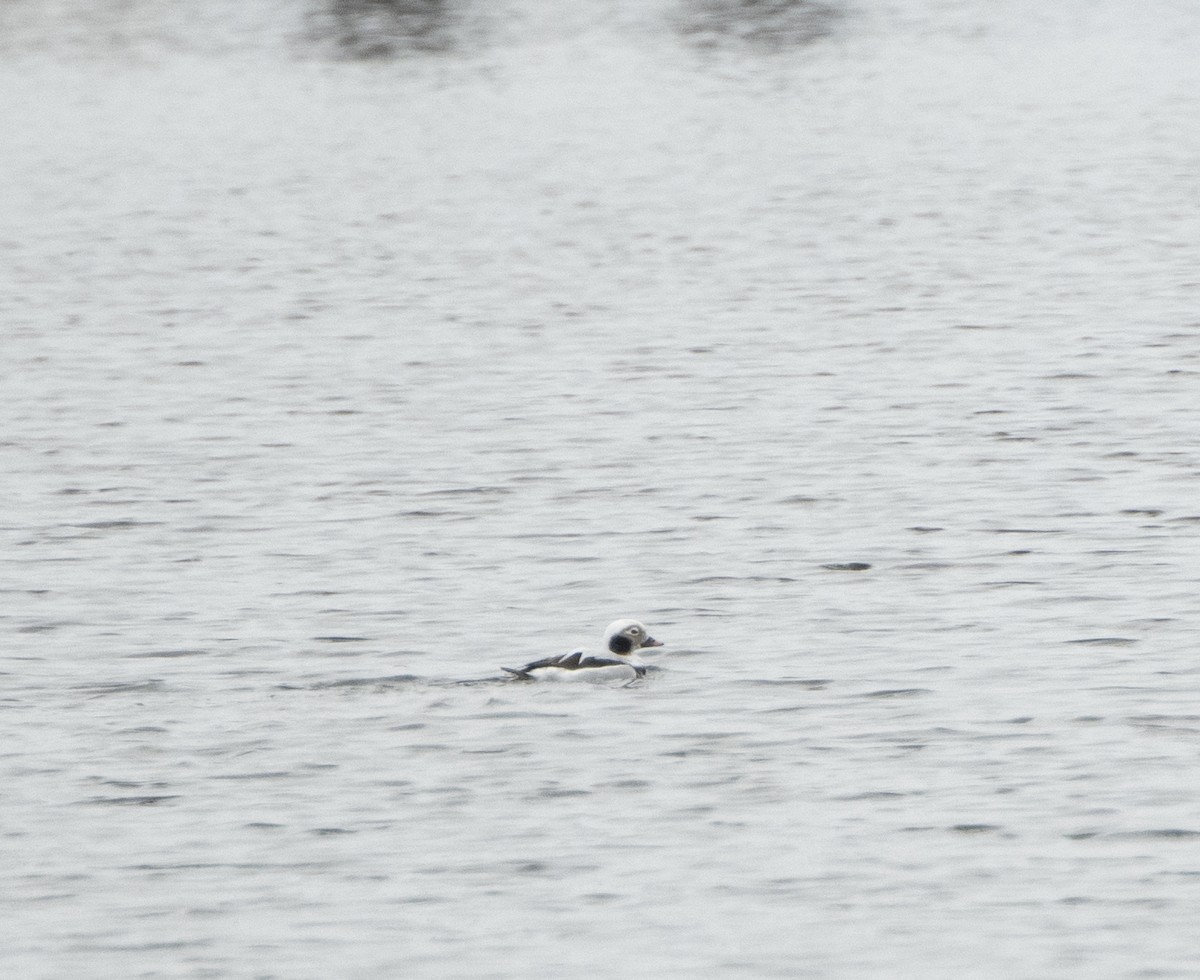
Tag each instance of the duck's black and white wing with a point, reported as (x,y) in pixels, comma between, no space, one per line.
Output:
(565,661)
(596,662)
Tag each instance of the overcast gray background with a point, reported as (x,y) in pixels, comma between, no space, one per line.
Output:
(350,353)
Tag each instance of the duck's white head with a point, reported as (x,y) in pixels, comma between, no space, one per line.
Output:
(626,636)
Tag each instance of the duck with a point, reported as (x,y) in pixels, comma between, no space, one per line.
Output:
(622,640)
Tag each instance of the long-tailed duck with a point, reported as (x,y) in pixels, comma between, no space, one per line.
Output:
(622,640)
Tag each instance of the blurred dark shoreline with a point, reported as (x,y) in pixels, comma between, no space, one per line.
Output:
(365,30)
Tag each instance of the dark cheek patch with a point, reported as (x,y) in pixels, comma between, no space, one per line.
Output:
(620,644)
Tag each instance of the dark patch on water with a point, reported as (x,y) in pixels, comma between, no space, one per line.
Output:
(1149,719)
(114,525)
(1103,641)
(846,566)
(976,828)
(41,627)
(388,681)
(342,639)
(874,795)
(128,800)
(317,593)
(1023,530)
(556,793)
(738,578)
(277,774)
(504,715)
(901,692)
(1151,728)
(155,947)
(505,679)
(468,491)
(381,29)
(120,687)
(708,735)
(764,24)
(1165,833)
(166,654)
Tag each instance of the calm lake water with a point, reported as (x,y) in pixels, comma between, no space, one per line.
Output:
(350,354)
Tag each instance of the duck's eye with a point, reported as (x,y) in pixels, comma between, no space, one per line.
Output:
(634,631)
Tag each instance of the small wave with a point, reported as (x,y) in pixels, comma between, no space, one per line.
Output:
(811,684)
(1164,833)
(1104,641)
(120,687)
(166,654)
(387,681)
(899,692)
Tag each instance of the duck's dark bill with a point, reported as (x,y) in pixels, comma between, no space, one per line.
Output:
(651,642)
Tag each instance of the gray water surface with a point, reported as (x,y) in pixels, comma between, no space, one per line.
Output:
(854,349)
